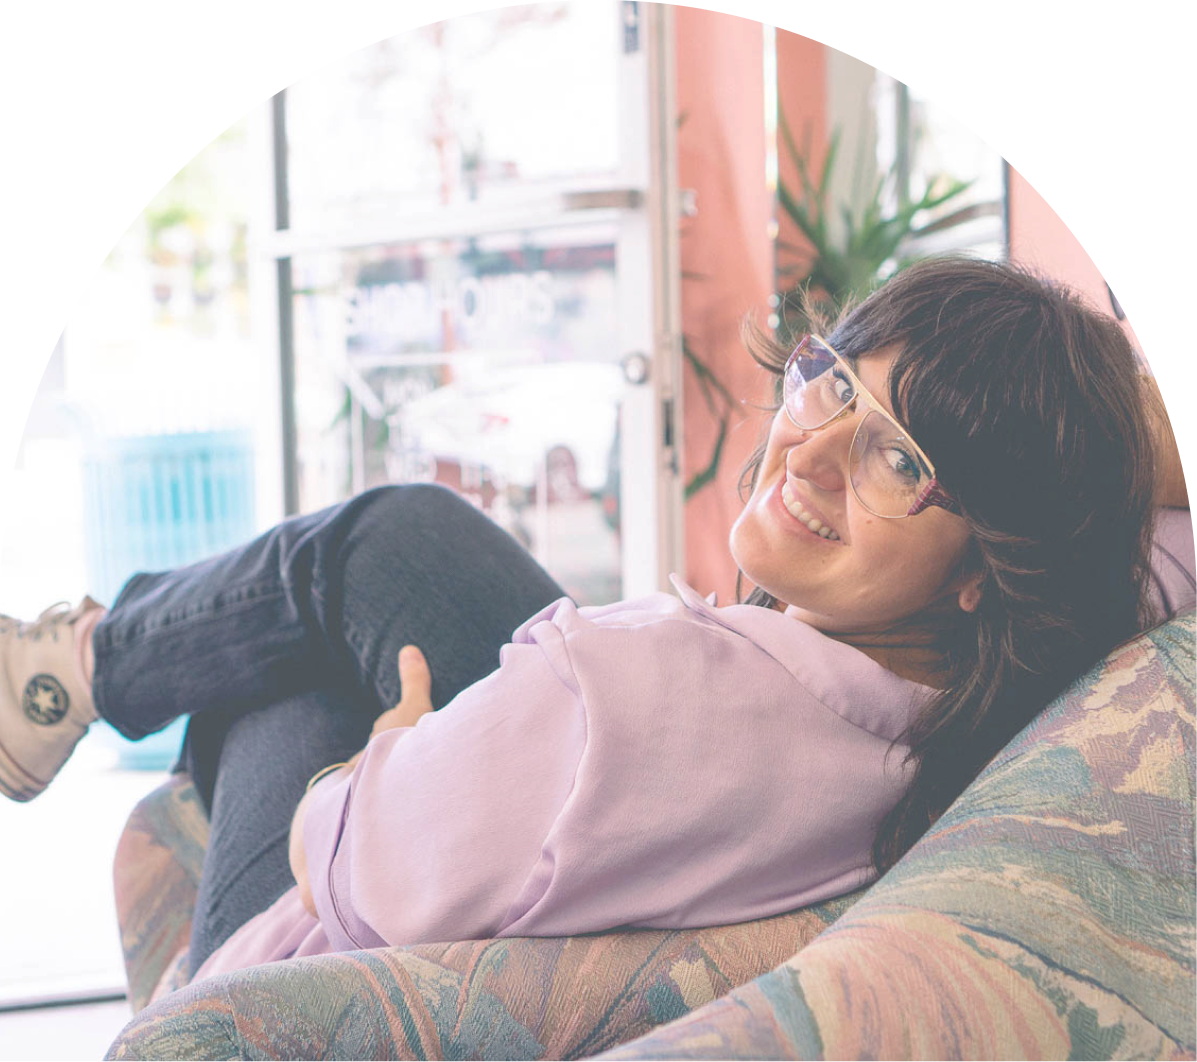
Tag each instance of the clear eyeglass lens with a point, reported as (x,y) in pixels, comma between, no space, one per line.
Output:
(887,474)
(816,387)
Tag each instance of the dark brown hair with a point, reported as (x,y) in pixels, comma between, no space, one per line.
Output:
(1031,406)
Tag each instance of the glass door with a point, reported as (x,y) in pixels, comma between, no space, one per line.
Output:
(475,239)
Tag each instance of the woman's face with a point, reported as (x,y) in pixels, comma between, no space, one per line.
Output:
(867,573)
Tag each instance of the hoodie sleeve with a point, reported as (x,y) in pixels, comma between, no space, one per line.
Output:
(434,834)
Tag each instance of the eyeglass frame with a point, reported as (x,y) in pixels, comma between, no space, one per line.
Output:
(933,494)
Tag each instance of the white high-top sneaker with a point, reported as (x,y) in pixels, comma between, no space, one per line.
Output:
(45,708)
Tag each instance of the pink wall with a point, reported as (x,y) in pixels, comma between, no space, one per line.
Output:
(1038,238)
(727,260)
(727,254)
(802,98)
(726,250)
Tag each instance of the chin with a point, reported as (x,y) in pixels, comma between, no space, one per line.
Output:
(747,545)
(762,581)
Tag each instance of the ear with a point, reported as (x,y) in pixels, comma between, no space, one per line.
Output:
(969,594)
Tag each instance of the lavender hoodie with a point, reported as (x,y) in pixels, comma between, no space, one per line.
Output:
(659,762)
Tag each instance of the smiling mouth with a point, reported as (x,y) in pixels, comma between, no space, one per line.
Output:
(811,522)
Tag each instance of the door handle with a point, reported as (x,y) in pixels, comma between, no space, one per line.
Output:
(603,199)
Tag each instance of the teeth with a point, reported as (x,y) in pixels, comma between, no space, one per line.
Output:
(812,522)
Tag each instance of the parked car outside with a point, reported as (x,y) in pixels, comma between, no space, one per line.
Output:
(511,425)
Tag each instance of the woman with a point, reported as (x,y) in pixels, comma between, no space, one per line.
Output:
(950,518)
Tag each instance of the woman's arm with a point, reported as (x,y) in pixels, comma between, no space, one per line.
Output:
(440,832)
(416,684)
(295,853)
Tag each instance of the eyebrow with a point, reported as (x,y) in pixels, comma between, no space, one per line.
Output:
(854,364)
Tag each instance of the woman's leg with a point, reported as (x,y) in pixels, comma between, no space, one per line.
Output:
(330,596)
(264,763)
(285,651)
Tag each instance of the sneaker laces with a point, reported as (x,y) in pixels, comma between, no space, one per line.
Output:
(48,621)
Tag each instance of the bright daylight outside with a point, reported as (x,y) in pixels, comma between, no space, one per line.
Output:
(140,445)
(481,361)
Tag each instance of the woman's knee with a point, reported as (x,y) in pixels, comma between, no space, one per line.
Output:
(416,509)
(428,502)
(427,528)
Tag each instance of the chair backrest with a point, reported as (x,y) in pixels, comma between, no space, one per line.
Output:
(1050,910)
(1048,914)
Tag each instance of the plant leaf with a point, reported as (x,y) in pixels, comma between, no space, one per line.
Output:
(958,217)
(702,478)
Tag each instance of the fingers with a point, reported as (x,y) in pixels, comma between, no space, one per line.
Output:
(415,680)
(414,675)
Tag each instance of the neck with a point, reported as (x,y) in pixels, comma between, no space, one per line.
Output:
(911,660)
(908,648)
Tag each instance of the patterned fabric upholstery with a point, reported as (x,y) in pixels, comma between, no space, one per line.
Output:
(513,998)
(1049,913)
(156,876)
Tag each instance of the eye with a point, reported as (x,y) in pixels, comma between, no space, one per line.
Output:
(842,387)
(903,463)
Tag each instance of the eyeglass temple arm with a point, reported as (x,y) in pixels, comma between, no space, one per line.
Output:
(933,494)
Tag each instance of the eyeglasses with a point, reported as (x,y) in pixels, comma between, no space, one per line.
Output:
(890,475)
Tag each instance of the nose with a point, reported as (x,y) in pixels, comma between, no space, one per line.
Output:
(821,456)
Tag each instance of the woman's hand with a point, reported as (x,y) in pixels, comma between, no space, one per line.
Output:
(416,682)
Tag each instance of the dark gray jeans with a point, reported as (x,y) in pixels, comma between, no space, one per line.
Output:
(284,651)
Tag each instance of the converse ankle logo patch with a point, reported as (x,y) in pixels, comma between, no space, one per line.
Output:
(45,701)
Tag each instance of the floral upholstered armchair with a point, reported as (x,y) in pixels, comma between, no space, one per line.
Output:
(1048,914)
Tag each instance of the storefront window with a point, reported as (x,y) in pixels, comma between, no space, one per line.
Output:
(469,110)
(485,364)
(486,359)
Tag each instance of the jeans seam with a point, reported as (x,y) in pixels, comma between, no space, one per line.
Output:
(365,675)
(217,897)
(171,623)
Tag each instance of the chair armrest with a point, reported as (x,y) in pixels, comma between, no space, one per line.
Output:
(156,873)
(523,997)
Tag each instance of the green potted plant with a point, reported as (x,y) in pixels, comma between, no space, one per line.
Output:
(840,260)
(871,241)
